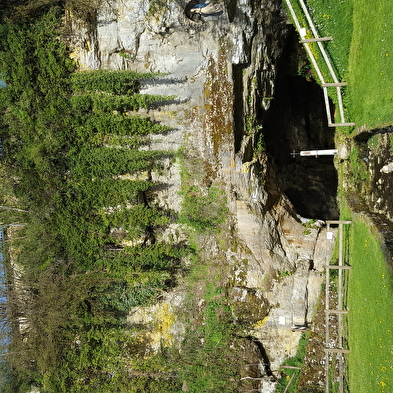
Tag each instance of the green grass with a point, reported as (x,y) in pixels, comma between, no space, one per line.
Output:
(334,21)
(371,63)
(361,32)
(296,361)
(370,362)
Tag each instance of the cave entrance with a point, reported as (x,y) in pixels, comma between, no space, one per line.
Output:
(297,121)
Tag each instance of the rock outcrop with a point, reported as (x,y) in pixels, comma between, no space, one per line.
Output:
(222,70)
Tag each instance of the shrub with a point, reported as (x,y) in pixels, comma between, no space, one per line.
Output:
(203,211)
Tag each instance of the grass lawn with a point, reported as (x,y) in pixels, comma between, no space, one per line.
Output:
(371,63)
(371,314)
(362,33)
(335,21)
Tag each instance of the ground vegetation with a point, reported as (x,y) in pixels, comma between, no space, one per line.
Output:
(79,215)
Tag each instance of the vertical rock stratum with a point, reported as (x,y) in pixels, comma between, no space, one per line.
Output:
(222,70)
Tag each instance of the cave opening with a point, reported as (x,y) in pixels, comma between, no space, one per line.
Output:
(238,104)
(297,121)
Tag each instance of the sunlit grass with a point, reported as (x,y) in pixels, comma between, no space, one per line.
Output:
(371,63)
(362,32)
(370,362)
(296,361)
(334,19)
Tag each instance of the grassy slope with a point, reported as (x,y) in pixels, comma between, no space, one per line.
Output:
(361,33)
(360,53)
(335,21)
(371,283)
(371,314)
(371,63)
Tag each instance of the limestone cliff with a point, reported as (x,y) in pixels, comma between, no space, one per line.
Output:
(223,71)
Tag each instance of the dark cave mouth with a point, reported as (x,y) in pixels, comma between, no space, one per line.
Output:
(312,187)
(297,121)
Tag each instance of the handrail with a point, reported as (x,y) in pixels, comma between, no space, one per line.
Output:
(337,84)
(327,60)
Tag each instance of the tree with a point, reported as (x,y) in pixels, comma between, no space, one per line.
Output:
(73,172)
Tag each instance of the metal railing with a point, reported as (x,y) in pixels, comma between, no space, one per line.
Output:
(319,41)
(339,311)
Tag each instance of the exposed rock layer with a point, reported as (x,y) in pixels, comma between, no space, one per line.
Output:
(223,71)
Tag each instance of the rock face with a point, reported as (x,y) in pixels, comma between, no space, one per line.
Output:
(371,196)
(223,71)
(374,149)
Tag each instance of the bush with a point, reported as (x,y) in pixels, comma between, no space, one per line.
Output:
(120,82)
(203,211)
(71,188)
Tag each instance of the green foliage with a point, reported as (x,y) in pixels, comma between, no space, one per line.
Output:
(103,161)
(85,10)
(135,220)
(157,256)
(90,359)
(209,364)
(110,123)
(101,119)
(308,225)
(209,359)
(120,82)
(36,98)
(203,211)
(74,174)
(260,147)
(296,361)
(359,173)
(101,102)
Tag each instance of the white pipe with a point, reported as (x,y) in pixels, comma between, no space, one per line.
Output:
(316,153)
